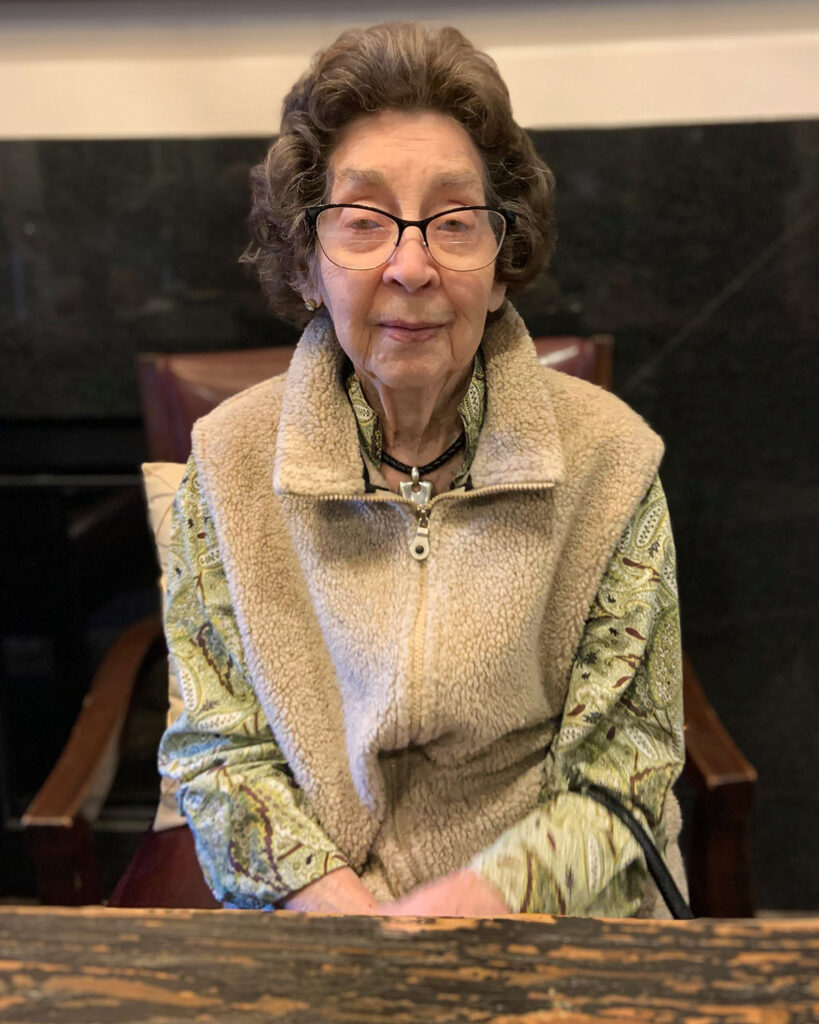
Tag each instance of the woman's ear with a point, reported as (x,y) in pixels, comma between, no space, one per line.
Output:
(496,296)
(311,292)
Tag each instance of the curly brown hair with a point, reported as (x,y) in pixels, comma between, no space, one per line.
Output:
(396,66)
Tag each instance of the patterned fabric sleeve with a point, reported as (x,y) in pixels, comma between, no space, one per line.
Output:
(256,836)
(622,728)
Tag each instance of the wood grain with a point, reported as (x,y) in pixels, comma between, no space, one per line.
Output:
(100,965)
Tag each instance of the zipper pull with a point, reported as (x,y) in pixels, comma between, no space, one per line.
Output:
(419,545)
(419,493)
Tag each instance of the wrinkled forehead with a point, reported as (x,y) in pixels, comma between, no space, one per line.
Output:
(406,151)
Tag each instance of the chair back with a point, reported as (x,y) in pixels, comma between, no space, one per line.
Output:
(590,359)
(175,390)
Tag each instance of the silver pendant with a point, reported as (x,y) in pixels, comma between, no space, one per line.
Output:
(419,492)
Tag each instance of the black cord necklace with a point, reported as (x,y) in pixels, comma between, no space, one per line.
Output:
(430,466)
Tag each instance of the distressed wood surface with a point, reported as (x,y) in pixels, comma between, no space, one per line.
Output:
(100,965)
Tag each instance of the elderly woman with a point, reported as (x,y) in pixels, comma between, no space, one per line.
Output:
(421,594)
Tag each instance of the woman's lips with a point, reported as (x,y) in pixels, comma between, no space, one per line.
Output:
(409,331)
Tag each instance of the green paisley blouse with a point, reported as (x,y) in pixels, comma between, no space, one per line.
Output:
(621,728)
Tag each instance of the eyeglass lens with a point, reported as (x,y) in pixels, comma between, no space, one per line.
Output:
(359,239)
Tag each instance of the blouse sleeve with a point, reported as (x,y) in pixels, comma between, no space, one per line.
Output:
(256,835)
(622,729)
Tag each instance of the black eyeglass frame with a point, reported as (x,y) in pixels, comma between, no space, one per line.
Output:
(312,214)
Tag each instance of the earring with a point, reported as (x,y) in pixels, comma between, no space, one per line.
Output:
(311,305)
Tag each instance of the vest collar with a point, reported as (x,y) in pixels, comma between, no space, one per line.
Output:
(317,447)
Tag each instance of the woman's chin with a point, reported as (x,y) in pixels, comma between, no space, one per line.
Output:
(429,364)
(410,374)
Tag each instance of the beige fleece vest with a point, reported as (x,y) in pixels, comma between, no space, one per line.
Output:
(414,701)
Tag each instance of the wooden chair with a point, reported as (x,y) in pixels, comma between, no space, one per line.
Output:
(175,390)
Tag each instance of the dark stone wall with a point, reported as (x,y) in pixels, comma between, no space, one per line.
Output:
(696,247)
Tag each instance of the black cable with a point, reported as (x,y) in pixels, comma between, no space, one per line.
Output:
(654,861)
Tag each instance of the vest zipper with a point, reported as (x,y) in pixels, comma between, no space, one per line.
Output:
(416,679)
(419,545)
(419,549)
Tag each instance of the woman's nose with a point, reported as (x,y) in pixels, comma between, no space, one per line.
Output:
(411,264)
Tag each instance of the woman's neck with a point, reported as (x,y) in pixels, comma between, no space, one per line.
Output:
(417,425)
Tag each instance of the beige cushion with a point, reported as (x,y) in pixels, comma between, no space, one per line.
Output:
(162,480)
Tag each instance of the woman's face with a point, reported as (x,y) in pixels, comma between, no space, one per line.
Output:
(409,323)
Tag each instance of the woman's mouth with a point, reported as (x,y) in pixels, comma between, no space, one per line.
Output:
(411,330)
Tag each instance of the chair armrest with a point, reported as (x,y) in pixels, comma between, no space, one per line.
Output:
(719,856)
(714,764)
(98,725)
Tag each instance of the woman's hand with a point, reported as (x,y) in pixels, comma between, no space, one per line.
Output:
(339,892)
(461,894)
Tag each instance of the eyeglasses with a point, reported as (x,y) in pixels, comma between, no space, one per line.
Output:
(363,238)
